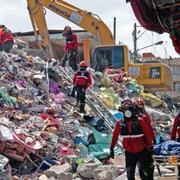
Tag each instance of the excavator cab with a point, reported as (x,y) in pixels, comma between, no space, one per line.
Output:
(156,76)
(108,56)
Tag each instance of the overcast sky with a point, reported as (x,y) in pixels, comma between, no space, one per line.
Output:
(14,14)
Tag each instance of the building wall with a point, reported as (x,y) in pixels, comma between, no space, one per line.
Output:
(175,66)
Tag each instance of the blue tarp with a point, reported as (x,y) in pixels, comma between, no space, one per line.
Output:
(167,148)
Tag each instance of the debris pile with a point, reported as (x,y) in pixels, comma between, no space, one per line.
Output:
(42,134)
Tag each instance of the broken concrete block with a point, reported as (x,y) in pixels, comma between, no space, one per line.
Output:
(43,177)
(64,176)
(56,170)
(86,170)
(106,172)
(52,178)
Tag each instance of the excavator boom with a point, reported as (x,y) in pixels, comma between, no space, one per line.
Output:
(84,19)
(38,21)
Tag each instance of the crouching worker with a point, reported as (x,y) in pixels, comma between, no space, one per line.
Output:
(137,141)
(81,80)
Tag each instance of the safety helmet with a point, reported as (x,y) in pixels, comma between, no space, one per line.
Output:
(83,64)
(127,103)
(139,102)
(67,28)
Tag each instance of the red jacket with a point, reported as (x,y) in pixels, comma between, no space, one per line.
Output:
(176,128)
(82,78)
(133,143)
(147,119)
(1,32)
(5,36)
(71,42)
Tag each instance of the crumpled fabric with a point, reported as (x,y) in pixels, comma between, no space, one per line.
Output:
(21,84)
(154,100)
(58,98)
(31,146)
(133,86)
(54,87)
(53,122)
(105,81)
(101,148)
(167,148)
(109,98)
(9,100)
(66,151)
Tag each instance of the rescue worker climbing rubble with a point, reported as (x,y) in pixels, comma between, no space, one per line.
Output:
(70,49)
(6,39)
(137,141)
(81,80)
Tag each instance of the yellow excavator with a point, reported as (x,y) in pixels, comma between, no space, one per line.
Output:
(156,76)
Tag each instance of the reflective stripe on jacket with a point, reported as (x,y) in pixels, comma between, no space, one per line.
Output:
(82,78)
(133,142)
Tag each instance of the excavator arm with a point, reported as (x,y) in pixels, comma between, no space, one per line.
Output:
(84,19)
(38,21)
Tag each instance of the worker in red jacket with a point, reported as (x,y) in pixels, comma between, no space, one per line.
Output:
(140,107)
(6,39)
(137,141)
(176,128)
(81,80)
(70,49)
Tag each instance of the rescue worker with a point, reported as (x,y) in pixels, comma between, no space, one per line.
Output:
(6,39)
(70,49)
(81,80)
(140,109)
(175,134)
(137,141)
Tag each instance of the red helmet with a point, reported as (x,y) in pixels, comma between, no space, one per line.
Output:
(67,28)
(139,102)
(83,64)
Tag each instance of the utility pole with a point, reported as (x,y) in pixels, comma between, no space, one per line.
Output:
(135,42)
(114,29)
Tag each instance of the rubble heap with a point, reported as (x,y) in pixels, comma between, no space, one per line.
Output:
(42,134)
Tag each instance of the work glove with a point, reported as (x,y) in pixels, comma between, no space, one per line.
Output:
(112,153)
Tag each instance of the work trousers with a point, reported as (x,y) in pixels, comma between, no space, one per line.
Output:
(81,96)
(71,57)
(7,46)
(146,164)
